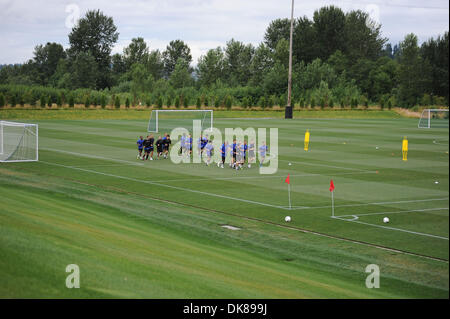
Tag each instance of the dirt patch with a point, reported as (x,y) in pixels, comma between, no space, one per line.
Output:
(407,113)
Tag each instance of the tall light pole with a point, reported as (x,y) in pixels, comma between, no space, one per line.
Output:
(288,110)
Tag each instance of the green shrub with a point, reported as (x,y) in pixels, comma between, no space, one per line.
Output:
(21,101)
(186,101)
(245,103)
(71,101)
(381,102)
(216,101)
(177,102)
(262,102)
(302,103)
(42,101)
(342,103)
(439,101)
(322,103)
(313,102)
(331,103)
(228,102)
(353,103)
(159,102)
(103,101)
(205,101)
(86,102)
(127,103)
(58,100)
(199,103)
(281,100)
(49,101)
(169,101)
(117,102)
(2,100)
(148,101)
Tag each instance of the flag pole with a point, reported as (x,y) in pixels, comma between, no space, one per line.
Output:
(289,195)
(332,203)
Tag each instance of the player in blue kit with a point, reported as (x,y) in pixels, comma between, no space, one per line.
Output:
(148,148)
(223,152)
(209,149)
(140,144)
(262,153)
(251,153)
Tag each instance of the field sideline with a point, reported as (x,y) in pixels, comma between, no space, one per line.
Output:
(153,229)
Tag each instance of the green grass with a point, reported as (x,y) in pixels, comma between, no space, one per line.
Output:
(133,114)
(153,229)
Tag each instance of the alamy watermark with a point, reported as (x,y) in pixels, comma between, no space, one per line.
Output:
(73,16)
(237,148)
(73,279)
(373,279)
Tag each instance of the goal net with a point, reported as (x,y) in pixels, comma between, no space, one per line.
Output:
(433,118)
(18,142)
(167,120)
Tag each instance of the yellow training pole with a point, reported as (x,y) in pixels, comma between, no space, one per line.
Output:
(306,140)
(405,148)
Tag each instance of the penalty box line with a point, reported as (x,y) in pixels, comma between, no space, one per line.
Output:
(93,156)
(397,212)
(390,228)
(368,204)
(164,185)
(261,177)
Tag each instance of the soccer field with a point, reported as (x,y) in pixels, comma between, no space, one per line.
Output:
(154,229)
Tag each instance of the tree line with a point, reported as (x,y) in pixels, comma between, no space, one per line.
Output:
(339,59)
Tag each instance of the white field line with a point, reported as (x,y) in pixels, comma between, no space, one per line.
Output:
(439,143)
(164,185)
(93,156)
(368,204)
(390,228)
(258,177)
(397,212)
(324,165)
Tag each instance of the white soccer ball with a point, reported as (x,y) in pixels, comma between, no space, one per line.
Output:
(289,164)
(436,182)
(287,219)
(376,147)
(249,166)
(385,220)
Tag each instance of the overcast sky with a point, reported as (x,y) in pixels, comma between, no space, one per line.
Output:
(203,24)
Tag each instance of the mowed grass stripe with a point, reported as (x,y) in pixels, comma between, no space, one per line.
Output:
(131,288)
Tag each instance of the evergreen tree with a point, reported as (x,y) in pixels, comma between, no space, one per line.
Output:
(42,101)
(71,101)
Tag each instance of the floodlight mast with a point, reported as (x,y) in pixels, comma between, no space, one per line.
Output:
(288,110)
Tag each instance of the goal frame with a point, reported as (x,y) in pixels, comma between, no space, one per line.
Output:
(428,111)
(24,125)
(168,111)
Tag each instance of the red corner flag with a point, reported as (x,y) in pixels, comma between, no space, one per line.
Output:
(287,179)
(331,186)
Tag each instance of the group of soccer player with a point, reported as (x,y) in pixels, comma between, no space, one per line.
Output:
(238,152)
(146,147)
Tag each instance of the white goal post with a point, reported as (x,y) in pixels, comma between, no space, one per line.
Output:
(170,119)
(19,142)
(433,118)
